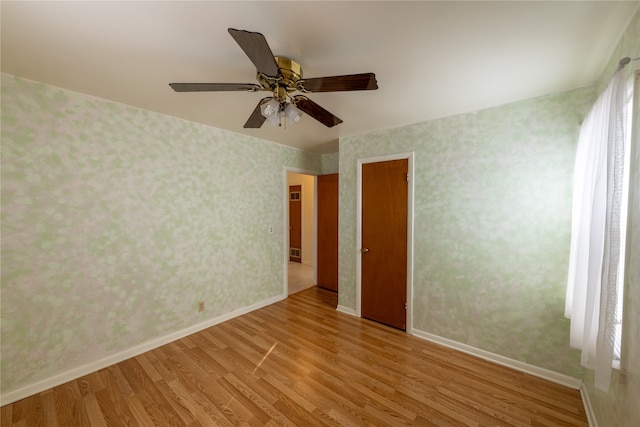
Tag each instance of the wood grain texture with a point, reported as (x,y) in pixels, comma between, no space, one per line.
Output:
(300,362)
(327,253)
(384,235)
(295,222)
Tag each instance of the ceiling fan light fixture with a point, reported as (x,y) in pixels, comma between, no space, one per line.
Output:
(270,108)
(274,120)
(292,113)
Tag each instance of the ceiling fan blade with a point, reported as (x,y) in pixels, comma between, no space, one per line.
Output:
(214,87)
(258,51)
(256,119)
(365,81)
(316,111)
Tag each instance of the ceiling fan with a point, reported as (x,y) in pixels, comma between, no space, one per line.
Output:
(282,76)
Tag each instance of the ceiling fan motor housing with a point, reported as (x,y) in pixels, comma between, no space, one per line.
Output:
(290,71)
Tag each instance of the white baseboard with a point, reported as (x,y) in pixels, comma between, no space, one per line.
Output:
(586,402)
(79,371)
(546,374)
(346,310)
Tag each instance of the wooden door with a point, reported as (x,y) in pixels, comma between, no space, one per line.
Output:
(384,242)
(328,231)
(295,223)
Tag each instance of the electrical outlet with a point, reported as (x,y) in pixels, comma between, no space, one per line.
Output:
(271,229)
(201,306)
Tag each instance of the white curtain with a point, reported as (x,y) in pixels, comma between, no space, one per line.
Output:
(595,230)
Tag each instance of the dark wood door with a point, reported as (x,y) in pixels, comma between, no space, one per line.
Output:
(384,242)
(295,223)
(328,231)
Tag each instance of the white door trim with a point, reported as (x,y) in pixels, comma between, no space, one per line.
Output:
(410,156)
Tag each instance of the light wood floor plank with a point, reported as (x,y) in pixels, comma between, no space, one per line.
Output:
(48,410)
(94,413)
(201,409)
(300,362)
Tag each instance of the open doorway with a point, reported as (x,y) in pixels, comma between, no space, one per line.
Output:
(301,234)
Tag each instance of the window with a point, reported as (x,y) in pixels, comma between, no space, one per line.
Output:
(617,348)
(595,285)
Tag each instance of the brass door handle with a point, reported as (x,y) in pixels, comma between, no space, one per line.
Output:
(364,250)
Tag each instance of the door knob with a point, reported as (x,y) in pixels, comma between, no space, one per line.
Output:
(364,250)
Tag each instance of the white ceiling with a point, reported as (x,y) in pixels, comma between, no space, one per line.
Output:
(431,59)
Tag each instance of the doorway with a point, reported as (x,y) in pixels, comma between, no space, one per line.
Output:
(385,239)
(300,238)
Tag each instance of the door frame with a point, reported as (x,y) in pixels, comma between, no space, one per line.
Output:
(285,239)
(410,156)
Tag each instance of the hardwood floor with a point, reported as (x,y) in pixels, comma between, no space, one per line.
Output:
(300,277)
(300,362)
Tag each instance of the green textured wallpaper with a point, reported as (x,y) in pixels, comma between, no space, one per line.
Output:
(116,221)
(330,163)
(492,219)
